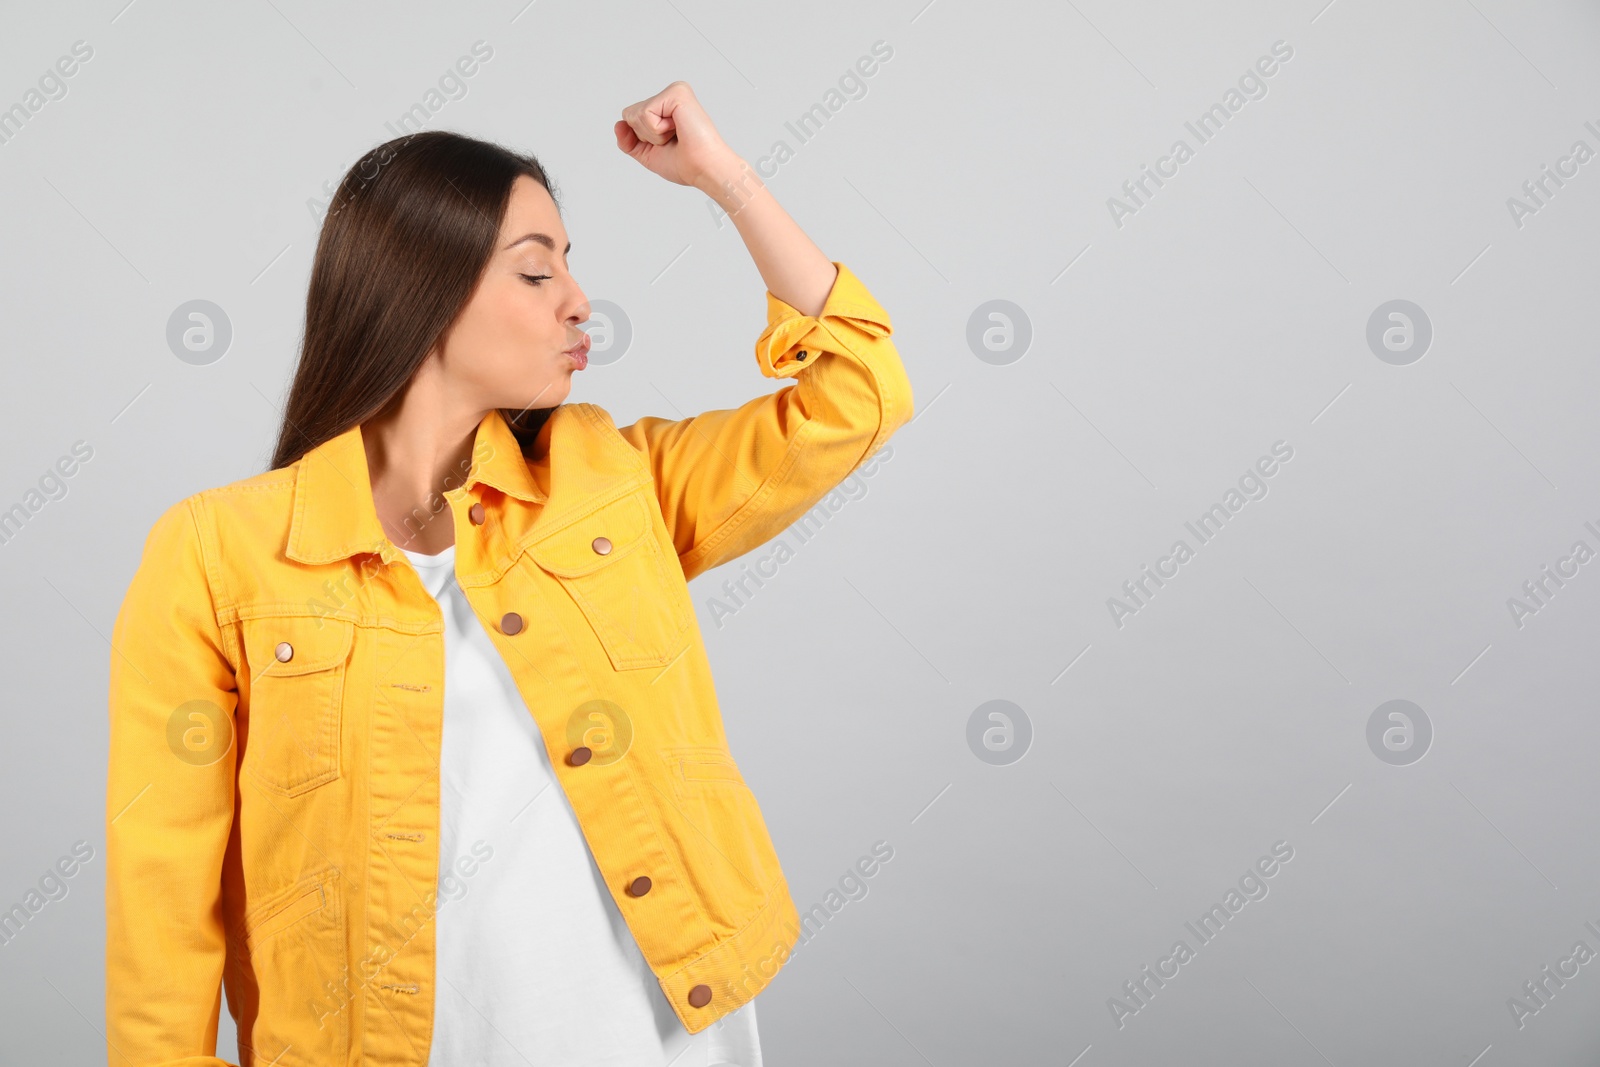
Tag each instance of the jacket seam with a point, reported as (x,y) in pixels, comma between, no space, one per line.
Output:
(752,506)
(204,535)
(734,522)
(885,405)
(615,440)
(601,420)
(263,487)
(540,531)
(293,609)
(773,900)
(672,854)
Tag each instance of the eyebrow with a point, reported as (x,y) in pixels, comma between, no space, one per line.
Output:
(543,239)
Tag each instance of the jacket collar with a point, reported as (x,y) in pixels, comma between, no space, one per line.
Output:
(335,516)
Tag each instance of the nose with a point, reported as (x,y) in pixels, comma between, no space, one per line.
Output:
(580,311)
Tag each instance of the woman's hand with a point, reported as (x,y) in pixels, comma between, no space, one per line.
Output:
(672,136)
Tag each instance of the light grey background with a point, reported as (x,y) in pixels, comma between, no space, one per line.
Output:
(1230,312)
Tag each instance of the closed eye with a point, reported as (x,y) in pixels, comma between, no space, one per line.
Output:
(534,279)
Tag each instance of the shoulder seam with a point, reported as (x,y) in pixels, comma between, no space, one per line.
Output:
(204,532)
(239,487)
(607,424)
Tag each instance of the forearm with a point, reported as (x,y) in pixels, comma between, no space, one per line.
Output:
(794,269)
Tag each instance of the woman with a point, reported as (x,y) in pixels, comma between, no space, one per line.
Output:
(342,689)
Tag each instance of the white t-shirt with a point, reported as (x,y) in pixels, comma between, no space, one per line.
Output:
(535,964)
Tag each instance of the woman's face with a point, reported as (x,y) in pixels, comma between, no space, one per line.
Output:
(512,345)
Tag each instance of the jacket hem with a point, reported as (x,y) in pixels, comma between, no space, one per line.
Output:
(765,941)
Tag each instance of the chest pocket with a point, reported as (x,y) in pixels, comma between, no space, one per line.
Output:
(297,670)
(612,566)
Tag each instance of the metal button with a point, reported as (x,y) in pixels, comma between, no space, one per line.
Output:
(800,355)
(700,996)
(602,545)
(475,513)
(511,623)
(579,756)
(639,886)
(284,652)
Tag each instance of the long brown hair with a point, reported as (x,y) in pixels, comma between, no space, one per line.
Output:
(405,240)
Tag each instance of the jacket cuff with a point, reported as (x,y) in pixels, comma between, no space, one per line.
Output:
(792,341)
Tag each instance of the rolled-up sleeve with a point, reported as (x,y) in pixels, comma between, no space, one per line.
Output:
(731,479)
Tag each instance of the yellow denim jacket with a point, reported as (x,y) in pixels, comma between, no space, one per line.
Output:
(276,693)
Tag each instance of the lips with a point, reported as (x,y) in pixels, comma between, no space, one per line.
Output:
(580,352)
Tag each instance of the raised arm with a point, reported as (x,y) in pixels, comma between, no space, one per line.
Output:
(731,479)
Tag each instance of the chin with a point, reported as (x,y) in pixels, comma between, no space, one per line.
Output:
(556,394)
(548,396)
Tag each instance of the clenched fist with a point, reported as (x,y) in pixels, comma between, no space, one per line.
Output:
(672,135)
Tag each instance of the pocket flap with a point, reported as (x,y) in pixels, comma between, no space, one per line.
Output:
(315,642)
(701,763)
(571,552)
(287,907)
